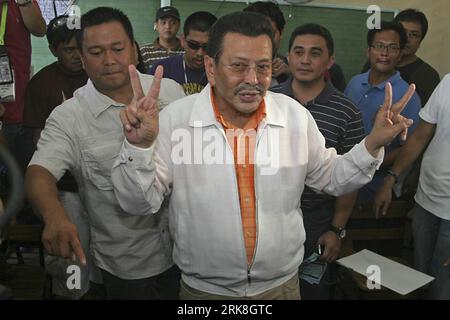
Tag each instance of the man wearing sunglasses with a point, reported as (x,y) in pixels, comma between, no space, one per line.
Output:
(188,69)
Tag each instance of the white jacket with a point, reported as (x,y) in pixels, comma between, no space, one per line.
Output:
(204,210)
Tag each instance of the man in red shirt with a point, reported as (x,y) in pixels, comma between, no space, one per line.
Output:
(23,18)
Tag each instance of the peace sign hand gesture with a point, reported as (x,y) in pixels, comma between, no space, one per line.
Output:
(388,121)
(140,118)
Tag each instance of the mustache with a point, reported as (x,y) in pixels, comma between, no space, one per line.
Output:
(248,87)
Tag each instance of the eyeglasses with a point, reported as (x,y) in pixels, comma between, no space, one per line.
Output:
(196,46)
(242,69)
(380,47)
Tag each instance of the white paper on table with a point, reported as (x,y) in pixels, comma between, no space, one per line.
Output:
(393,275)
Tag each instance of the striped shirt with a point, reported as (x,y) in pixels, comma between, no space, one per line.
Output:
(153,52)
(339,121)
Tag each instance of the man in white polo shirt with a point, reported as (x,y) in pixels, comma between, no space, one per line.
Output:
(84,136)
(431,214)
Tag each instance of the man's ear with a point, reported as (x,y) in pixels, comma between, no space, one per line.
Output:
(209,69)
(136,53)
(82,61)
(331,62)
(183,41)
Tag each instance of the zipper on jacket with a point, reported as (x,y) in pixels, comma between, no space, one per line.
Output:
(247,266)
(258,137)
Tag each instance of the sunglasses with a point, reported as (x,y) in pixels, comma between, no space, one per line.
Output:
(61,21)
(196,46)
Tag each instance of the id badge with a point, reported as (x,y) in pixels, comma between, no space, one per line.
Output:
(8,91)
(6,74)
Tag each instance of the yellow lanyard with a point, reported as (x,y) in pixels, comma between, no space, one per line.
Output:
(3,23)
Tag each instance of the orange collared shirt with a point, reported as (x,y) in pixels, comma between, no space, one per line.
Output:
(242,141)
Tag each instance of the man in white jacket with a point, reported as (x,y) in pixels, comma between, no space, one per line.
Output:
(233,161)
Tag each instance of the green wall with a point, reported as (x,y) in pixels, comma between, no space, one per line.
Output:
(348,26)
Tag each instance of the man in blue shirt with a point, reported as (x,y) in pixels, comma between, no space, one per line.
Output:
(367,91)
(188,69)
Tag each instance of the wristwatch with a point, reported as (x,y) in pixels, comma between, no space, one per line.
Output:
(23,3)
(341,232)
(392,173)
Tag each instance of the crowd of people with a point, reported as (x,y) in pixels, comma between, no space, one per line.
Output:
(209,165)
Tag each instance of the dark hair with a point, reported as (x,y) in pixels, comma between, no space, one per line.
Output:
(246,23)
(270,10)
(314,29)
(103,15)
(386,25)
(140,63)
(58,32)
(199,21)
(413,15)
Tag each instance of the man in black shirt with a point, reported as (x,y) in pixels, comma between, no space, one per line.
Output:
(339,120)
(411,67)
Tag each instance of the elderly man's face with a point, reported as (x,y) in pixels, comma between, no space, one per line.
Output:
(243,72)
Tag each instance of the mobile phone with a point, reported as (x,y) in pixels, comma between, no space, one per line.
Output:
(320,249)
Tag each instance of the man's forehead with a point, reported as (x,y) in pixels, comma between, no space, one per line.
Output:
(166,18)
(71,43)
(197,35)
(105,34)
(112,28)
(237,34)
(309,40)
(231,41)
(387,35)
(413,25)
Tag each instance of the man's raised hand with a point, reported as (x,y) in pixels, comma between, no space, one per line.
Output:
(140,118)
(388,121)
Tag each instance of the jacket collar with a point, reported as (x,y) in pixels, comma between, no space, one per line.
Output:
(202,114)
